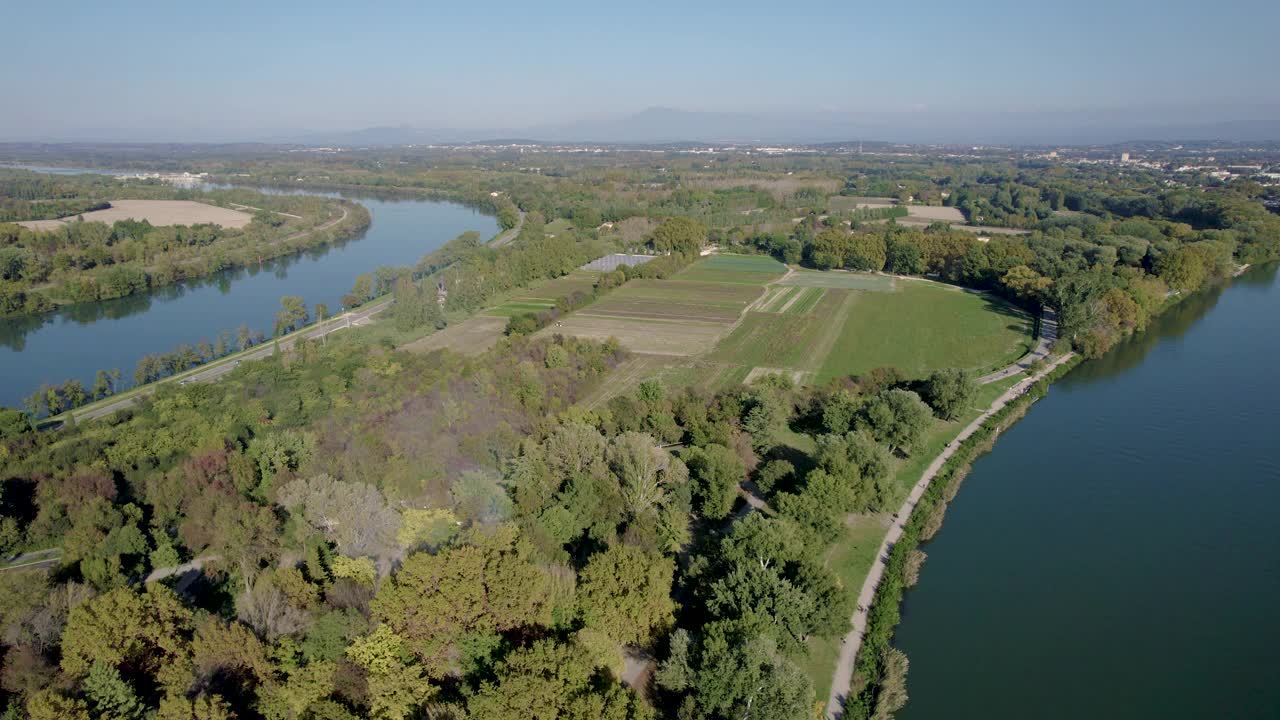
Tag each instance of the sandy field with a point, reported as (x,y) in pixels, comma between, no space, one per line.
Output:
(157,212)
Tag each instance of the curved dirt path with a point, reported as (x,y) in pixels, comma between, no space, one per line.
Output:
(843,674)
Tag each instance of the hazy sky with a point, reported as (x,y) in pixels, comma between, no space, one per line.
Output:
(226,70)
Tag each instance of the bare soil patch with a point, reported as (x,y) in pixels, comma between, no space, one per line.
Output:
(935,212)
(159,213)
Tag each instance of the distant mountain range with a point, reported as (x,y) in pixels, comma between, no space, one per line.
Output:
(664,125)
(661,125)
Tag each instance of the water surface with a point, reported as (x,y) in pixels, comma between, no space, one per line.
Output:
(1117,555)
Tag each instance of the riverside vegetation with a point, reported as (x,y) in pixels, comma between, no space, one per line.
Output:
(393,534)
(87,261)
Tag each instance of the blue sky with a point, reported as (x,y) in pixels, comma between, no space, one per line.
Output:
(226,70)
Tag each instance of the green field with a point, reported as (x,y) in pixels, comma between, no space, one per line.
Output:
(925,327)
(840,279)
(543,296)
(805,301)
(765,339)
(737,269)
(677,299)
(746,313)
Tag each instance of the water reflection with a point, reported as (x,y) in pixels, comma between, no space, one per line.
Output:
(1172,323)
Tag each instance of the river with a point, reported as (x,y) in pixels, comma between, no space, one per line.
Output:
(78,340)
(1117,554)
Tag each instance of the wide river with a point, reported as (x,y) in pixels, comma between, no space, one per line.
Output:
(1118,554)
(78,340)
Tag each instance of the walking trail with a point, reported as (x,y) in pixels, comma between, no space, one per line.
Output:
(853,640)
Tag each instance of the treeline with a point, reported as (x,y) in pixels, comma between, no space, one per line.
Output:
(26,195)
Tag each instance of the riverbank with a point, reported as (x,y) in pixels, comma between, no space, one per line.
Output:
(903,535)
(1122,539)
(352,220)
(223,365)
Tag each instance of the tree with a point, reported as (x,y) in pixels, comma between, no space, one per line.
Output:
(396,688)
(478,497)
(766,421)
(13,423)
(354,515)
(1027,284)
(293,314)
(553,680)
(949,392)
(839,411)
(717,472)
(679,235)
(109,695)
(363,289)
(51,705)
(243,337)
(102,385)
(903,257)
(626,593)
(147,631)
(897,418)
(435,600)
(643,470)
(729,678)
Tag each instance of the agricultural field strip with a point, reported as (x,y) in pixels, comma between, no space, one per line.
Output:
(848,281)
(791,300)
(774,297)
(808,301)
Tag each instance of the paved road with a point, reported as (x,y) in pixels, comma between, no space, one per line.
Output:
(509,235)
(853,640)
(34,560)
(1048,335)
(341,322)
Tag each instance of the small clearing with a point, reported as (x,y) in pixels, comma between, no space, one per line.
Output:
(472,336)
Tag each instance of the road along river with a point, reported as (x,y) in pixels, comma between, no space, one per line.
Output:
(78,340)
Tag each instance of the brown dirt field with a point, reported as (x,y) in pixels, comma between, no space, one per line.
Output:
(469,337)
(935,212)
(162,213)
(643,335)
